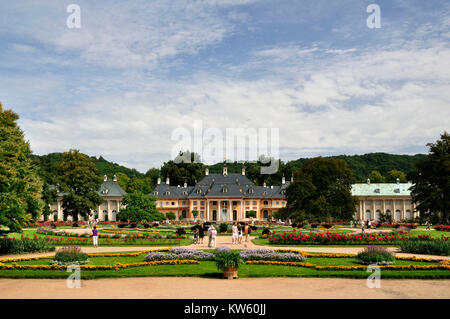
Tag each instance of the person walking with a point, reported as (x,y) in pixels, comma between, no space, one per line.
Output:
(428,224)
(213,237)
(246,231)
(362,226)
(239,234)
(234,234)
(351,223)
(369,224)
(95,236)
(196,236)
(201,233)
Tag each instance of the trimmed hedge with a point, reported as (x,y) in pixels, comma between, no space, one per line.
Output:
(24,245)
(434,247)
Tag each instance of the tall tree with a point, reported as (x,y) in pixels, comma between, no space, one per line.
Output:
(321,191)
(376,177)
(394,174)
(431,180)
(78,177)
(180,171)
(20,186)
(139,207)
(49,196)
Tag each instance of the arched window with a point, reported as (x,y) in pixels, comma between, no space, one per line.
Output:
(368,214)
(397,215)
(377,215)
(408,214)
(105,215)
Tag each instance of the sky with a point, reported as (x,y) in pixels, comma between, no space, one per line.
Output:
(136,71)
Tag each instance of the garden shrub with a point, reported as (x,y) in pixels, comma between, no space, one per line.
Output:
(223,228)
(133,225)
(24,245)
(231,259)
(375,255)
(121,225)
(435,247)
(181,231)
(327,226)
(265,231)
(70,255)
(75,225)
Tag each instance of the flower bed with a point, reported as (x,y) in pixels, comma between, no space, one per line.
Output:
(396,225)
(180,253)
(442,227)
(328,238)
(269,254)
(436,247)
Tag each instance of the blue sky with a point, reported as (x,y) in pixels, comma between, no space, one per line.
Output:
(137,70)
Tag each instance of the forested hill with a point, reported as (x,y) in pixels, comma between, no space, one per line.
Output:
(47,166)
(362,165)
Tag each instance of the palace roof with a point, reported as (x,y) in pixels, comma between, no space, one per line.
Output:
(381,189)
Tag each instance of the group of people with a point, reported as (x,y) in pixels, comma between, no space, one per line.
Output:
(362,224)
(237,232)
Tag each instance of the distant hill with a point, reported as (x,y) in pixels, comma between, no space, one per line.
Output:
(361,166)
(47,163)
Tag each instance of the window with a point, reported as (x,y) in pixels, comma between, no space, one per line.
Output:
(234,203)
(388,202)
(255,203)
(199,191)
(368,202)
(378,202)
(224,204)
(167,203)
(248,203)
(173,203)
(160,204)
(266,202)
(214,203)
(278,203)
(195,203)
(202,203)
(155,192)
(183,203)
(398,202)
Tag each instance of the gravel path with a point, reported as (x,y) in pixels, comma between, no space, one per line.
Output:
(246,288)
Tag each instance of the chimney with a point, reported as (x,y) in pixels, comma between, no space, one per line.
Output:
(167,180)
(159,180)
(185,185)
(243,170)
(398,180)
(207,171)
(264,184)
(105,178)
(283,180)
(225,170)
(115,178)
(368,181)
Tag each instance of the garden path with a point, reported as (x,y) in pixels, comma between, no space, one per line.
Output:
(244,288)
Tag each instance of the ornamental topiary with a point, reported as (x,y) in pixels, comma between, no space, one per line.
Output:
(375,255)
(70,255)
(226,260)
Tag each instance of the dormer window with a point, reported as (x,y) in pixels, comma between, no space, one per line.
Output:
(155,192)
(224,189)
(251,190)
(199,191)
(167,192)
(105,191)
(397,190)
(264,193)
(184,193)
(377,190)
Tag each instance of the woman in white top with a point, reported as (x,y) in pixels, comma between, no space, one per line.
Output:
(234,234)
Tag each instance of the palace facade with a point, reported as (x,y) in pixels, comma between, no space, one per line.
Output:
(230,197)
(112,195)
(393,199)
(221,197)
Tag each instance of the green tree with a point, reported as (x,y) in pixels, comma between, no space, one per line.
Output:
(171,216)
(139,207)
(78,178)
(376,177)
(180,170)
(49,196)
(431,180)
(321,191)
(195,213)
(251,214)
(394,174)
(20,186)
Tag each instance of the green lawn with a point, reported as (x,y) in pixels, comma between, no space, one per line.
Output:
(62,240)
(208,269)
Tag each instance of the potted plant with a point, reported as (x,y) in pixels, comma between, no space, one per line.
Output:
(228,262)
